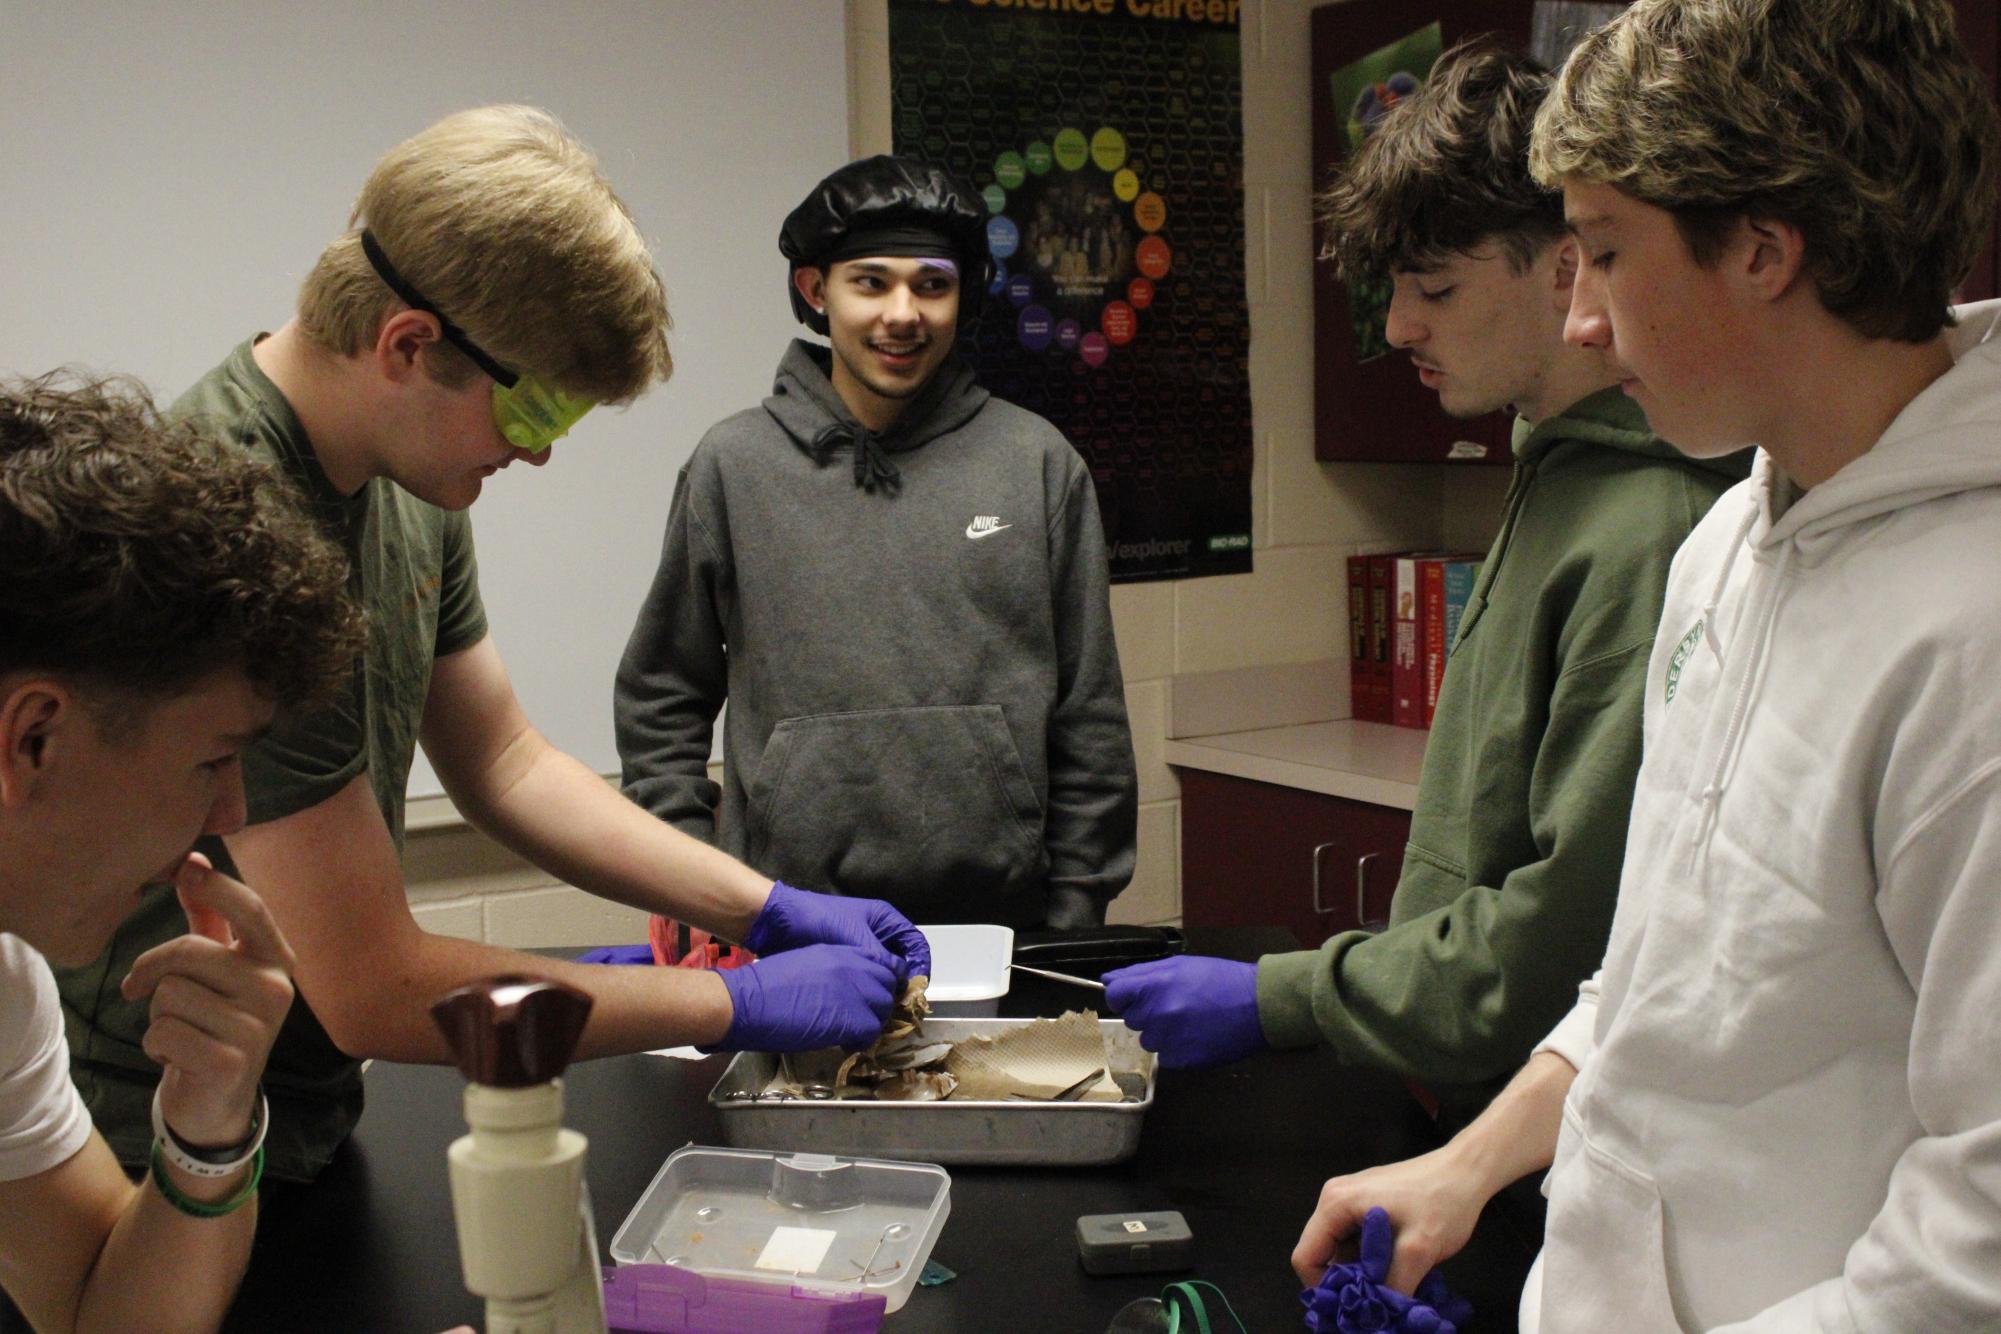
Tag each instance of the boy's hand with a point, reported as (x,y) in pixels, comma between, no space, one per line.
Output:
(219,994)
(794,917)
(1194,1010)
(811,997)
(1432,1200)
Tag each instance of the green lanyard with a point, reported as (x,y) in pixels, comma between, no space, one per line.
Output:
(1177,1297)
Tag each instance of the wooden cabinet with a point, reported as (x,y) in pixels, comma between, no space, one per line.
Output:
(1257,854)
(1980,29)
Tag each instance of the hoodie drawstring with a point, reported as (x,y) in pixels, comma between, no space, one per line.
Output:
(1709,635)
(1747,687)
(872,466)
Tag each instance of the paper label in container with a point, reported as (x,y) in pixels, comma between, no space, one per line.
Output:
(796,1250)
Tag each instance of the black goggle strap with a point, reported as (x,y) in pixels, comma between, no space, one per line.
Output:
(396,283)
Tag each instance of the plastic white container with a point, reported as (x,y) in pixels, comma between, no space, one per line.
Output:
(969,971)
(790,1219)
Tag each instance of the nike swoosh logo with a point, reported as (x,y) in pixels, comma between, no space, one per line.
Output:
(977,533)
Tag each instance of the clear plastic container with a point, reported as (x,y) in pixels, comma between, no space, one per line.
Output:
(968,968)
(805,1219)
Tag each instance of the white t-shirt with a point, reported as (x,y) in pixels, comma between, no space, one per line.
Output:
(42,1117)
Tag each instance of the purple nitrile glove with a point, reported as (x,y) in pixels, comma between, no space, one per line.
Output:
(617,954)
(814,996)
(1194,1010)
(794,917)
(1353,1298)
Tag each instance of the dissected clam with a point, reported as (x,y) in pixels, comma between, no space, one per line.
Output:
(910,1054)
(901,1047)
(907,1016)
(887,1059)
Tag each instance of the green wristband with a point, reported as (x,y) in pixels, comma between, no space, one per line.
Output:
(197,1208)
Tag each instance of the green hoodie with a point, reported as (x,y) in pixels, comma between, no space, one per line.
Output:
(1512,869)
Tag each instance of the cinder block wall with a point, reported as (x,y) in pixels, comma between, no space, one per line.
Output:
(1307,518)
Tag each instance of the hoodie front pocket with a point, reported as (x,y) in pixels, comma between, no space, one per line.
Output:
(924,805)
(1604,1249)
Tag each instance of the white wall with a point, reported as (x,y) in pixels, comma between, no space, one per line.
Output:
(161,255)
(170,171)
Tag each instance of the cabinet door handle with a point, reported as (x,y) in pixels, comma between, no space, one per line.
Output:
(1319,908)
(1362,892)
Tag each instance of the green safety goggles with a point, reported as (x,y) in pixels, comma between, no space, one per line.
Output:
(531,415)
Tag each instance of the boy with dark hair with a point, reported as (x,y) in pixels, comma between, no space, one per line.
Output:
(161,599)
(489,289)
(1776,1106)
(1509,878)
(899,583)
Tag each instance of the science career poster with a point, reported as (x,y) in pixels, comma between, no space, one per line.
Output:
(1107,137)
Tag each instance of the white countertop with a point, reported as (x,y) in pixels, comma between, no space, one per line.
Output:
(1372,762)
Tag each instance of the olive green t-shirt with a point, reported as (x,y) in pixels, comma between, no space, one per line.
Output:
(415,575)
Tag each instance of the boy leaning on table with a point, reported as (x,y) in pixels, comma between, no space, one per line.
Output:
(489,288)
(161,600)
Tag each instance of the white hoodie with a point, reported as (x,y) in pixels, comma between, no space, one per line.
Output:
(1789,1107)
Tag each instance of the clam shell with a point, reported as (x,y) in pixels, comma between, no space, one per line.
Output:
(917,1086)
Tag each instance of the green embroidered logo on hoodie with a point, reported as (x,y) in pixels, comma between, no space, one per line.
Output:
(1680,659)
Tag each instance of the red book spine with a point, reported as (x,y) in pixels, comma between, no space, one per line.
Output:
(1431,631)
(1360,675)
(1382,580)
(1406,655)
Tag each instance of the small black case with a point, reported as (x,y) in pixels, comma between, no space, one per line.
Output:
(1147,1243)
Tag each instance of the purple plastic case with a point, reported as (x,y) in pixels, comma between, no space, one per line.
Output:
(667,1299)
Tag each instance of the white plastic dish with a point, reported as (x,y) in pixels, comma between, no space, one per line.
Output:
(969,971)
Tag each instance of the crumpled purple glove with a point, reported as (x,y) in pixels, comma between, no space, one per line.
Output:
(792,917)
(811,997)
(1194,1010)
(1353,1299)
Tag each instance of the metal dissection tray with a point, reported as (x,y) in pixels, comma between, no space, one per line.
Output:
(1068,1134)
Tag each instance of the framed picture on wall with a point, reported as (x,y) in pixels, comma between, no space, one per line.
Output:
(1368,404)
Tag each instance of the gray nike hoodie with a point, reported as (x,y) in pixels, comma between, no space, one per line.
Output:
(914,634)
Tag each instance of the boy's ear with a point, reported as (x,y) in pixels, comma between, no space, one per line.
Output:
(812,287)
(1768,254)
(1563,273)
(31,714)
(403,338)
